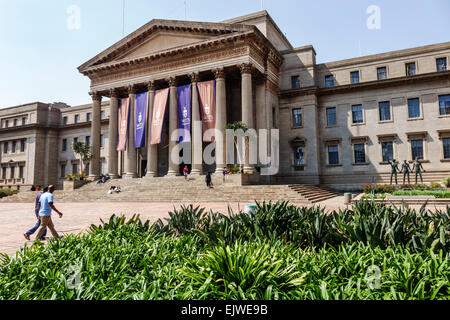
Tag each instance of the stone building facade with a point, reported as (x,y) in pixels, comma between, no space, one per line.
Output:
(339,123)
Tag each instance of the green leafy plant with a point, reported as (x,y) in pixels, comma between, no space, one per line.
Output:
(7,192)
(84,152)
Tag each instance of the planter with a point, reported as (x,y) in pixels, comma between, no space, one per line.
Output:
(73,185)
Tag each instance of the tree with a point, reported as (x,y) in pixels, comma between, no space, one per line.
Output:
(238,125)
(84,152)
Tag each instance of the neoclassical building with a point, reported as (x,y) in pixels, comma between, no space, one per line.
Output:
(339,123)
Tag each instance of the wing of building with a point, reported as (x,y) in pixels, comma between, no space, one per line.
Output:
(340,123)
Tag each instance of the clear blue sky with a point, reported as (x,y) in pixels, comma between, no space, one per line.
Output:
(39,54)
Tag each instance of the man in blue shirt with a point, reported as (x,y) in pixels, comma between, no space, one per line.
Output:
(38,222)
(45,207)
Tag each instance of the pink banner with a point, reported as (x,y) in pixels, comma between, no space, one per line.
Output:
(123,124)
(159,108)
(207,99)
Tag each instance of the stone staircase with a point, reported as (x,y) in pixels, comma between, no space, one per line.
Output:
(314,194)
(178,190)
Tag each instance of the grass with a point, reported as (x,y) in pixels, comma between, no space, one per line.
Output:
(283,252)
(436,194)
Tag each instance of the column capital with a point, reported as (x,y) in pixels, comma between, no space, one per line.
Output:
(114,93)
(172,81)
(246,68)
(219,73)
(151,86)
(96,96)
(131,89)
(195,77)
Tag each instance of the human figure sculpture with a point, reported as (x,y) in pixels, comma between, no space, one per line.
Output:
(394,170)
(418,169)
(406,169)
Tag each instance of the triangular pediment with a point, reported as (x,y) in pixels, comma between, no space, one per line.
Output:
(162,35)
(161,41)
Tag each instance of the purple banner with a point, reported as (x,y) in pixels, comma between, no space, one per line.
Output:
(184,112)
(140,125)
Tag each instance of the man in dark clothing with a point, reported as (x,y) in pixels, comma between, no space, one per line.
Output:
(208,180)
(38,222)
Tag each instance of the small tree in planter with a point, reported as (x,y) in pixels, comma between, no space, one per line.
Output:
(84,152)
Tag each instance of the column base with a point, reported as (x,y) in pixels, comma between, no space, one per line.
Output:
(93,178)
(196,172)
(114,176)
(130,176)
(151,175)
(172,174)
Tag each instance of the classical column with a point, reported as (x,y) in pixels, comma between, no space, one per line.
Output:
(113,159)
(152,150)
(131,153)
(197,134)
(221,119)
(247,109)
(173,125)
(94,172)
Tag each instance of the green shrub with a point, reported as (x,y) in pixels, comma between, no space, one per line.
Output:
(7,192)
(435,185)
(446,182)
(437,194)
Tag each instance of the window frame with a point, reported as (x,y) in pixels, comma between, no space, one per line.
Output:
(446,64)
(297,77)
(445,108)
(420,117)
(88,117)
(328,76)
(22,145)
(76,119)
(339,163)
(5,147)
(362,114)
(293,126)
(359,76)
(378,73)
(391,118)
(414,63)
(411,147)
(327,125)
(443,148)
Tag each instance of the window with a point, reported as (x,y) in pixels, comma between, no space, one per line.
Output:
(297,117)
(411,69)
(417,149)
(413,108)
(22,145)
(299,159)
(77,118)
(24,121)
(446,145)
(444,105)
(387,149)
(333,154)
(329,81)
(385,111)
(331,117)
(354,77)
(64,145)
(13,147)
(5,147)
(74,168)
(441,64)
(7,124)
(15,122)
(360,153)
(75,140)
(4,173)
(295,82)
(63,171)
(88,117)
(382,73)
(21,172)
(13,173)
(88,141)
(102,115)
(65,120)
(101,141)
(357,113)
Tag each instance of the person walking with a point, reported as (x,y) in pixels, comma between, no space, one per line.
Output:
(45,207)
(186,173)
(208,180)
(38,222)
(224,173)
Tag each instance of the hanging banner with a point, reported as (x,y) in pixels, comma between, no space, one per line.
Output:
(184,112)
(123,124)
(159,108)
(140,119)
(207,99)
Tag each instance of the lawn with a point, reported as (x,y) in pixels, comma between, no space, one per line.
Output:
(371,251)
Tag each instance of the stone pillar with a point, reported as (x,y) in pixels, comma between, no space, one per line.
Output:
(152,150)
(197,133)
(221,119)
(247,109)
(95,135)
(113,159)
(131,153)
(173,125)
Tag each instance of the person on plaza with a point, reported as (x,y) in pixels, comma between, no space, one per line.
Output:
(111,190)
(38,222)
(117,189)
(224,173)
(33,188)
(208,180)
(394,170)
(45,207)
(186,172)
(418,169)
(406,169)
